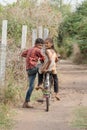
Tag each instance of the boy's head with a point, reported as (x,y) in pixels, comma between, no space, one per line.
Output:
(39,42)
(49,40)
(49,43)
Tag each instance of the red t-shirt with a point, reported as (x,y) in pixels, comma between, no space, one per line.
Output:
(32,56)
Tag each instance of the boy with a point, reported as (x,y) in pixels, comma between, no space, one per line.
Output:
(51,59)
(32,56)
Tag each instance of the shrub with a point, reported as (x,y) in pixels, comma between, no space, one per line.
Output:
(5,117)
(83,47)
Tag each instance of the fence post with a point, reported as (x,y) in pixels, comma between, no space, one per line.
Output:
(34,36)
(24,36)
(46,33)
(3,52)
(40,32)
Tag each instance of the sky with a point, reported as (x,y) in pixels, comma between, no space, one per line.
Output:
(11,1)
(7,1)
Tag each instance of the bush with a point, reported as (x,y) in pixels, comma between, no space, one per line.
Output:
(14,30)
(13,94)
(74,26)
(62,52)
(5,117)
(69,49)
(83,47)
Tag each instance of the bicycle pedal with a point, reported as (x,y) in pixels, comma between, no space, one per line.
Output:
(40,100)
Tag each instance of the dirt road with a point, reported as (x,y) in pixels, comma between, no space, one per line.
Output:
(73,94)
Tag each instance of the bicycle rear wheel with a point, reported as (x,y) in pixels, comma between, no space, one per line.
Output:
(47,103)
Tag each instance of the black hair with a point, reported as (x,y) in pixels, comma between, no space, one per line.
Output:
(39,41)
(51,41)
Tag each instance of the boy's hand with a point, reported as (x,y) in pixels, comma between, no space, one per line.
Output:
(43,70)
(56,60)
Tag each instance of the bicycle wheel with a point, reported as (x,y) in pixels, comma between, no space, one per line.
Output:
(47,89)
(47,103)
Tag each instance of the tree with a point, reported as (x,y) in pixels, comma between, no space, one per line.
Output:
(74,27)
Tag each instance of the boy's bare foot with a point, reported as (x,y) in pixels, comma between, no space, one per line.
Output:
(26,105)
(39,87)
(57,96)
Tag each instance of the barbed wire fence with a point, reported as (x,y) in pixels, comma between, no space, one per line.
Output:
(12,66)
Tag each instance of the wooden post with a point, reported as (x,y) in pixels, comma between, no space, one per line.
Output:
(40,32)
(46,33)
(3,52)
(34,36)
(24,36)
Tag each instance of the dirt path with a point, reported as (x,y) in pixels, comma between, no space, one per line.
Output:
(73,94)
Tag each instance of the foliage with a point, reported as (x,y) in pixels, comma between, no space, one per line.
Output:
(14,30)
(62,52)
(15,77)
(83,47)
(27,12)
(5,117)
(82,9)
(74,26)
(75,23)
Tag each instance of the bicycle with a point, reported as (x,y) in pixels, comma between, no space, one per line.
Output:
(47,85)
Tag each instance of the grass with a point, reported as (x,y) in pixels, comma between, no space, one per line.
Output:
(80,118)
(10,97)
(6,121)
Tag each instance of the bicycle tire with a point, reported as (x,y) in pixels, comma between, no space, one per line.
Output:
(47,104)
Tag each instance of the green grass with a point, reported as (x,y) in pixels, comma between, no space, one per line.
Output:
(80,118)
(6,121)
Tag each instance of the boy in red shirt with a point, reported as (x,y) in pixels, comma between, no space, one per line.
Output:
(32,56)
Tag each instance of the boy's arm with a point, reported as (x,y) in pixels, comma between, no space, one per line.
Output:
(24,53)
(49,59)
(56,59)
(41,56)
